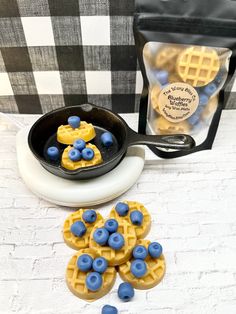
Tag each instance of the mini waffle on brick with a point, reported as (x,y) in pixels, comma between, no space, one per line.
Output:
(71,240)
(155,271)
(75,278)
(114,257)
(67,135)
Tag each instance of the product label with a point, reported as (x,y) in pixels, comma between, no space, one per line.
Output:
(178,101)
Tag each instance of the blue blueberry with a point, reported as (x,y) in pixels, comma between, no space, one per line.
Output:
(155,249)
(210,89)
(195,117)
(203,100)
(162,76)
(79,144)
(122,209)
(106,139)
(116,241)
(100,265)
(89,216)
(125,291)
(74,154)
(78,229)
(53,153)
(74,122)
(108,309)
(140,252)
(219,79)
(93,281)
(138,268)
(136,217)
(85,262)
(101,236)
(87,154)
(111,225)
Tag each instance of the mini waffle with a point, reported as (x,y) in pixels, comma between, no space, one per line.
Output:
(163,126)
(75,278)
(155,91)
(71,240)
(155,271)
(166,57)
(210,108)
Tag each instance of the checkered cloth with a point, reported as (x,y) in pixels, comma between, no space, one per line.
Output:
(57,53)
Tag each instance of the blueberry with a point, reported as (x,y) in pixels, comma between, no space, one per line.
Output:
(74,122)
(116,241)
(138,268)
(210,89)
(78,229)
(100,265)
(195,117)
(122,209)
(85,262)
(125,291)
(136,217)
(106,139)
(162,76)
(155,249)
(87,154)
(108,309)
(74,154)
(203,100)
(101,236)
(89,216)
(93,281)
(111,225)
(79,144)
(53,152)
(140,252)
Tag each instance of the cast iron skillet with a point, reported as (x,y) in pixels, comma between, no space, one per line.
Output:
(43,134)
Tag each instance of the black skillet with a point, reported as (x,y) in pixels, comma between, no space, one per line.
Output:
(43,135)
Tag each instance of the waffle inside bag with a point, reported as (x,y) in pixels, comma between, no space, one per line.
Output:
(187,56)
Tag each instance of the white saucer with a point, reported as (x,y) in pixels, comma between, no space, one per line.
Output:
(77,193)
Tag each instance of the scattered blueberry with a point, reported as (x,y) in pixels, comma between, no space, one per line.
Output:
(155,249)
(116,241)
(100,265)
(122,209)
(203,100)
(138,268)
(79,144)
(140,252)
(101,236)
(93,281)
(108,309)
(210,89)
(125,291)
(87,154)
(74,121)
(136,217)
(89,216)
(162,76)
(78,229)
(74,154)
(53,152)
(106,139)
(111,225)
(195,117)
(85,262)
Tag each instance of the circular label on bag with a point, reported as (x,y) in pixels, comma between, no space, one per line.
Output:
(178,101)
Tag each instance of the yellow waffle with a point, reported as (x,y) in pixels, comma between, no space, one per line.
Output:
(155,271)
(114,257)
(73,165)
(75,278)
(67,135)
(163,126)
(174,78)
(198,65)
(155,92)
(166,57)
(210,108)
(73,241)
(141,231)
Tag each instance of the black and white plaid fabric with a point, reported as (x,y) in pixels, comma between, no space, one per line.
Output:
(57,53)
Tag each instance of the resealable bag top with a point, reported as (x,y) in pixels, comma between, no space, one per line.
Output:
(187,56)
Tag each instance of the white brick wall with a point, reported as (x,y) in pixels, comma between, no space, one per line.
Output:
(193,205)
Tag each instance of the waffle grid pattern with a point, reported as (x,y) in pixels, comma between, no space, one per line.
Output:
(67,135)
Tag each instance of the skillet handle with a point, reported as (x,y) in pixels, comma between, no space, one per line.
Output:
(173,141)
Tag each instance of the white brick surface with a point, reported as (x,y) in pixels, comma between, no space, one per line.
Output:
(192,201)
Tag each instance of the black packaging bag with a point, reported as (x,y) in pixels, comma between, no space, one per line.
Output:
(187,55)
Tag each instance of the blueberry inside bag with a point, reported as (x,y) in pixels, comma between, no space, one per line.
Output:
(186,53)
